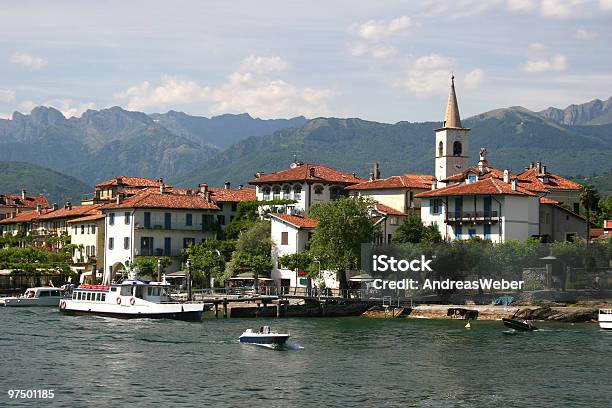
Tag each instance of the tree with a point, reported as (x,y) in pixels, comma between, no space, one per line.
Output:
(147,265)
(207,260)
(301,261)
(589,198)
(604,210)
(253,251)
(344,224)
(411,231)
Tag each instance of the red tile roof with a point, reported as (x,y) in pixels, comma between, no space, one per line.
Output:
(423,181)
(98,215)
(130,182)
(487,171)
(308,172)
(546,200)
(233,195)
(488,186)
(24,217)
(155,199)
(30,200)
(299,221)
(554,181)
(75,211)
(608,224)
(385,209)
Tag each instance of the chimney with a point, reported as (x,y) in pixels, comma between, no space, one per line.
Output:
(259,174)
(203,188)
(531,165)
(543,169)
(23,194)
(539,167)
(514,184)
(371,177)
(311,171)
(376,171)
(161,188)
(68,205)
(38,208)
(119,198)
(119,181)
(54,207)
(227,185)
(434,184)
(506,176)
(240,186)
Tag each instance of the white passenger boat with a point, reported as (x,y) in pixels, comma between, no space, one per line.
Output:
(43,296)
(605,319)
(131,299)
(264,337)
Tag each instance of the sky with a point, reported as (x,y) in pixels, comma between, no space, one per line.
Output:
(381,60)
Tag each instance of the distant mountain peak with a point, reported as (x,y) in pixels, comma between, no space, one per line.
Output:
(594,112)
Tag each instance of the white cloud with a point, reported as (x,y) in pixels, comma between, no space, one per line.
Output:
(376,30)
(605,4)
(246,89)
(7,95)
(474,79)
(263,64)
(559,8)
(68,107)
(556,62)
(4,116)
(27,60)
(585,34)
(375,50)
(429,74)
(521,6)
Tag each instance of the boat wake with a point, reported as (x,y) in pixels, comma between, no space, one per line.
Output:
(288,346)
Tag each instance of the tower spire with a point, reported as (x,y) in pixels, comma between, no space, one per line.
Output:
(451,119)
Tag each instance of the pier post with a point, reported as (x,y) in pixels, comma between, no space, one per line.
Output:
(189,279)
(216,310)
(278,305)
(225,308)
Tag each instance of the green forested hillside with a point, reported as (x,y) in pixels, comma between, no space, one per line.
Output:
(58,188)
(513,136)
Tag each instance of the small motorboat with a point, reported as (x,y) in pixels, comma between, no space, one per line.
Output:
(264,337)
(41,296)
(605,319)
(520,325)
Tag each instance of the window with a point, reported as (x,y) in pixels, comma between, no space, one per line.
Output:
(276,193)
(188,241)
(577,208)
(147,219)
(487,231)
(393,221)
(435,206)
(168,220)
(234,207)
(126,290)
(458,231)
(472,232)
(93,228)
(457,149)
(82,229)
(111,243)
(284,238)
(188,220)
(93,250)
(440,149)
(266,193)
(74,295)
(126,243)
(167,246)
(146,246)
(297,192)
(127,217)
(389,238)
(207,219)
(318,190)
(286,192)
(75,230)
(221,219)
(103,297)
(111,219)
(43,293)
(472,178)
(335,192)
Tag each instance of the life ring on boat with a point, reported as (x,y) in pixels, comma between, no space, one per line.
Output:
(118,300)
(63,304)
(132,301)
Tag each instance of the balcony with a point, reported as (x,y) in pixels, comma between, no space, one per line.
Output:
(472,216)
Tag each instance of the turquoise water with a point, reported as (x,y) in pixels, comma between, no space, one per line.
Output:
(93,362)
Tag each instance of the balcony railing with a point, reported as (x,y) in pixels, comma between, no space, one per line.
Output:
(472,216)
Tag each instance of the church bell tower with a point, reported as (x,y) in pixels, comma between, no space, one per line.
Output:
(452,141)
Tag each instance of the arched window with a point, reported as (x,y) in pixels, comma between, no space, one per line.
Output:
(286,192)
(318,189)
(457,149)
(297,192)
(440,149)
(276,193)
(266,193)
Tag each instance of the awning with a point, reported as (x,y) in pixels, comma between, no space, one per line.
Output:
(361,278)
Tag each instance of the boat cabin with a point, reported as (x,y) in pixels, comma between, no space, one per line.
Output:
(43,292)
(155,292)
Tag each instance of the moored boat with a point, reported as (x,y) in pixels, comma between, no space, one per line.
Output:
(520,325)
(41,296)
(264,337)
(131,299)
(605,319)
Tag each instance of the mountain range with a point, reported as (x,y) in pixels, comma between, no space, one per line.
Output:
(187,150)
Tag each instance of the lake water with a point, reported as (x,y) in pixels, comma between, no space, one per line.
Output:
(93,362)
